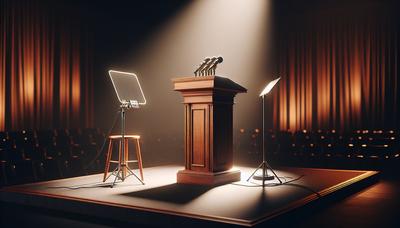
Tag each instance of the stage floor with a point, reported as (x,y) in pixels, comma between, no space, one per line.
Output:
(163,202)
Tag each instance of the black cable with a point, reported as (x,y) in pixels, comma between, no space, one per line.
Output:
(272,184)
(89,185)
(99,152)
(286,182)
(99,185)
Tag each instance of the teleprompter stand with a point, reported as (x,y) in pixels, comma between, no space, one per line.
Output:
(122,168)
(130,95)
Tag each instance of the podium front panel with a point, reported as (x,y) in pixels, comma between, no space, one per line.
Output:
(198,129)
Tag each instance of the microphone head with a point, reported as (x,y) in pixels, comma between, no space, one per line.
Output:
(220,59)
(201,66)
(211,62)
(208,64)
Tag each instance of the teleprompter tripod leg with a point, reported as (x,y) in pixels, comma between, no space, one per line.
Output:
(116,177)
(133,174)
(112,173)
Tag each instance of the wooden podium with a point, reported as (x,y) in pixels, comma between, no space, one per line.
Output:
(208,134)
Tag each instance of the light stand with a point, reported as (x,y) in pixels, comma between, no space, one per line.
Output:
(264,164)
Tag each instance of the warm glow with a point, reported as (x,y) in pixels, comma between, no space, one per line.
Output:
(35,79)
(336,76)
(2,85)
(237,30)
(207,28)
(76,82)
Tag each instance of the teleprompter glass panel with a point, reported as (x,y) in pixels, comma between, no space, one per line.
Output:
(127,87)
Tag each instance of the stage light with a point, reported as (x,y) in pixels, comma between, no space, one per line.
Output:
(268,88)
(264,166)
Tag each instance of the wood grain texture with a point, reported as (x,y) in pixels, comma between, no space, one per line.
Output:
(208,104)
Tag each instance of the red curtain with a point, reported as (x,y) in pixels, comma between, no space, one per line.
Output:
(337,74)
(2,67)
(43,64)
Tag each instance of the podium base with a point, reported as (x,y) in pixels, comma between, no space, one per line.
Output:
(202,178)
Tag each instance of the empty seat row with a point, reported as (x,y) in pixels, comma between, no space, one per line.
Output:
(34,155)
(376,144)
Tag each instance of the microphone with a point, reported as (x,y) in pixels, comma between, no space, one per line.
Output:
(205,61)
(203,70)
(209,66)
(213,67)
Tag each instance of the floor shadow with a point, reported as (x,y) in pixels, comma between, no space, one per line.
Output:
(173,193)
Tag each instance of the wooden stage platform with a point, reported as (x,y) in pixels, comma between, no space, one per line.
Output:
(161,202)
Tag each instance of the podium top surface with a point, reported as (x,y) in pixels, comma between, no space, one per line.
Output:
(207,82)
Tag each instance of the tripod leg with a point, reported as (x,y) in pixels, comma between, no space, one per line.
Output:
(255,171)
(112,173)
(133,174)
(116,177)
(273,172)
